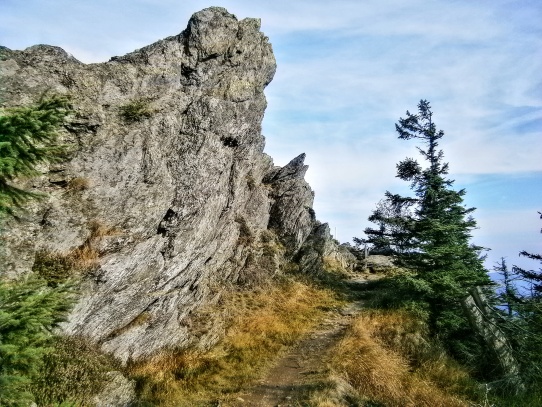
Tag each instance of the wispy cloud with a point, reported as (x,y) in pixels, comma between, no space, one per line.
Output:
(347,70)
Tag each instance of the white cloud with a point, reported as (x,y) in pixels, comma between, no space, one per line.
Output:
(347,70)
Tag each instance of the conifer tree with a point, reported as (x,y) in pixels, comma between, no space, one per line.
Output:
(533,277)
(508,297)
(28,312)
(30,308)
(523,322)
(28,137)
(430,232)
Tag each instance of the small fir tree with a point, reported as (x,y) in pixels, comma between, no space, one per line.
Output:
(508,296)
(429,233)
(533,277)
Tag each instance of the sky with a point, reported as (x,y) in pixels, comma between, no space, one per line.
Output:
(347,71)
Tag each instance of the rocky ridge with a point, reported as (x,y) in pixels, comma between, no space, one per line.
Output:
(166,188)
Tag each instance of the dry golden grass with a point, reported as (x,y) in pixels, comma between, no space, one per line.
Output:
(386,357)
(79,184)
(57,267)
(334,391)
(408,335)
(261,323)
(86,256)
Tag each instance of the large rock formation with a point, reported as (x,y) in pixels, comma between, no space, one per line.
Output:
(166,193)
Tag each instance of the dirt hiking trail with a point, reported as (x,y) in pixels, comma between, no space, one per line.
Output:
(302,368)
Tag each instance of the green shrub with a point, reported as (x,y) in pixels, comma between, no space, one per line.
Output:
(54,268)
(251,182)
(74,371)
(267,236)
(29,310)
(246,236)
(136,110)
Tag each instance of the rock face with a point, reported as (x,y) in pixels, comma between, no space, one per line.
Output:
(292,215)
(118,392)
(320,248)
(166,193)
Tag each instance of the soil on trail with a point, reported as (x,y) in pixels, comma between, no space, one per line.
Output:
(300,371)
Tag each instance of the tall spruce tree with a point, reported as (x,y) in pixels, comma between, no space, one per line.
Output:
(429,233)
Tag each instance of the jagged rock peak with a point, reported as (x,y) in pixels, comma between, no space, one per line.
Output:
(163,189)
(294,169)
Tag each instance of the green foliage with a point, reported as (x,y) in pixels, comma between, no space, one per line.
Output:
(522,319)
(525,330)
(73,371)
(399,291)
(135,111)
(429,232)
(532,277)
(55,269)
(29,310)
(531,398)
(28,137)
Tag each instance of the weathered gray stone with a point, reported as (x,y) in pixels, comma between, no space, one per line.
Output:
(320,249)
(165,203)
(117,392)
(379,263)
(292,216)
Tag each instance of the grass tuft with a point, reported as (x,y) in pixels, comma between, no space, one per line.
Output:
(72,372)
(136,110)
(79,184)
(386,357)
(56,267)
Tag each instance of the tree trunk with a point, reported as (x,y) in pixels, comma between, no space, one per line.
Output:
(479,314)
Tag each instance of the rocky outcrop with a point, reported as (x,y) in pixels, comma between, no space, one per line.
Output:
(291,216)
(166,193)
(376,263)
(320,252)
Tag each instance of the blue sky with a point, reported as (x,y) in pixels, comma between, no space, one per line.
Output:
(347,70)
